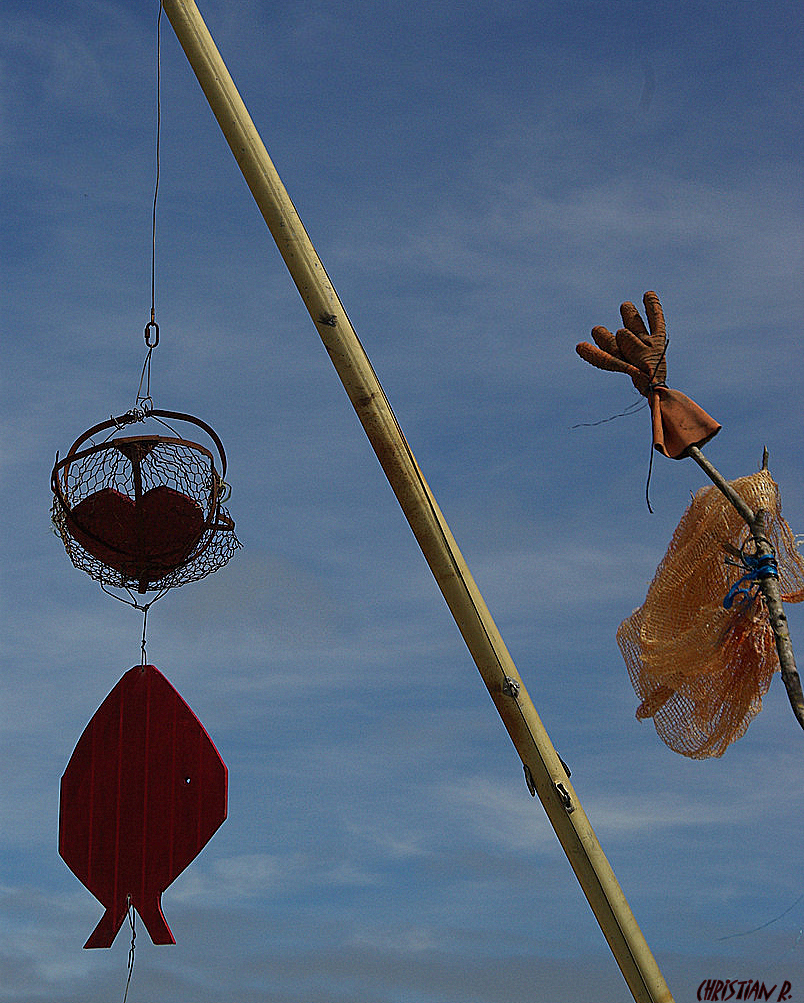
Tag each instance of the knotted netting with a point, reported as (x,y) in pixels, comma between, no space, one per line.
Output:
(699,669)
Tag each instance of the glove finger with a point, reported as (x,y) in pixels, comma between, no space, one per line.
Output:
(604,339)
(632,348)
(634,322)
(602,360)
(655,315)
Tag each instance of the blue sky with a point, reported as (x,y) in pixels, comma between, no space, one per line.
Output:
(484,183)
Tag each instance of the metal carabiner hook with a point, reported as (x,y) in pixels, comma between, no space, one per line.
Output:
(148,326)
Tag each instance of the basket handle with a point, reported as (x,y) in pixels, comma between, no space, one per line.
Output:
(131,416)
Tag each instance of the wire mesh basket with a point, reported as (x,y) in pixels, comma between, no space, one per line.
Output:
(143,512)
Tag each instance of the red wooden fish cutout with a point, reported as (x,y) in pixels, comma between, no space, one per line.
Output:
(143,793)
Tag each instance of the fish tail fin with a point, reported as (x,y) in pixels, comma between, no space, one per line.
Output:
(152,917)
(104,933)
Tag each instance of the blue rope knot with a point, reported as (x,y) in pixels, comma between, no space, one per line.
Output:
(756,569)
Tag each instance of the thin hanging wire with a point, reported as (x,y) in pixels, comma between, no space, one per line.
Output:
(144,641)
(144,400)
(650,462)
(131,918)
(756,929)
(158,138)
(131,601)
(632,409)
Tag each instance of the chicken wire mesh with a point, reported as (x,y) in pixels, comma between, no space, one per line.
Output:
(143,512)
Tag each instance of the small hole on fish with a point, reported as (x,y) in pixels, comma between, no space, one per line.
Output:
(187,780)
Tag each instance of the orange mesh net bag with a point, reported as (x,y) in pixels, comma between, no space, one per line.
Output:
(700,669)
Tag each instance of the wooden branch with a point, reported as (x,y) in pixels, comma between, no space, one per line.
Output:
(769,586)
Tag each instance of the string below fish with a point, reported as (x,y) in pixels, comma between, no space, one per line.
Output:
(131,920)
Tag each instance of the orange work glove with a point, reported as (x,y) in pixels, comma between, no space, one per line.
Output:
(678,422)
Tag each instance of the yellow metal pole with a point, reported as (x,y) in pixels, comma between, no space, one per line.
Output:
(543,769)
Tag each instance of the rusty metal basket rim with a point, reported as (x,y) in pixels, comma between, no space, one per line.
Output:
(217,518)
(74,457)
(122,420)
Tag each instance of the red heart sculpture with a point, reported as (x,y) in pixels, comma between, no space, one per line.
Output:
(144,540)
